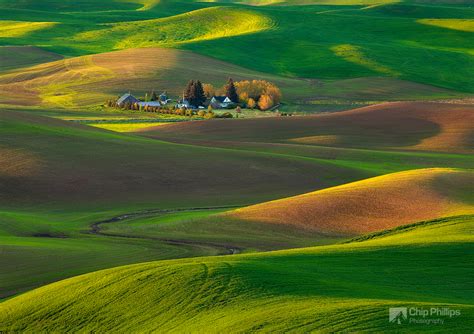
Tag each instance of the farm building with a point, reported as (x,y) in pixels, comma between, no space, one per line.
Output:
(126,98)
(183,103)
(163,98)
(219,102)
(150,104)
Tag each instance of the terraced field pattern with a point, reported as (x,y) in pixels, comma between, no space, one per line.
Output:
(348,208)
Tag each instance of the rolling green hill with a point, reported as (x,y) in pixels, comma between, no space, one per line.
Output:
(88,81)
(199,25)
(314,41)
(70,176)
(300,290)
(253,224)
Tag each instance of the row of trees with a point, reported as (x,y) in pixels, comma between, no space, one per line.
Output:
(194,93)
(249,93)
(258,93)
(152,97)
(209,113)
(197,93)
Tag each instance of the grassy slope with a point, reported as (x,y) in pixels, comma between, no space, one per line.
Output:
(96,174)
(194,26)
(344,2)
(341,51)
(413,126)
(371,205)
(331,48)
(97,167)
(90,80)
(320,217)
(68,176)
(295,290)
(12,57)
(42,247)
(60,166)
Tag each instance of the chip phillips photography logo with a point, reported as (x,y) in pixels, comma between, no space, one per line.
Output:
(421,315)
(397,315)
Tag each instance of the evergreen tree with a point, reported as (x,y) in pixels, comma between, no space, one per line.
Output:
(194,93)
(199,95)
(231,92)
(189,90)
(154,97)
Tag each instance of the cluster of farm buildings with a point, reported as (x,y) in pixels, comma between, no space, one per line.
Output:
(216,102)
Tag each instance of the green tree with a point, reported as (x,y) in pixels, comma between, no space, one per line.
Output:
(154,97)
(231,91)
(199,95)
(189,90)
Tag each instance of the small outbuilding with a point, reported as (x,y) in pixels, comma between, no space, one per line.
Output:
(127,98)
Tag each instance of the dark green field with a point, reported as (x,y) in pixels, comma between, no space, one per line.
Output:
(131,221)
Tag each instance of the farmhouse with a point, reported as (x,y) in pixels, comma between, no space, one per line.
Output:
(183,103)
(127,98)
(219,102)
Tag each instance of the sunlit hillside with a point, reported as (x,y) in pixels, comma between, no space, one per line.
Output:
(371,205)
(276,291)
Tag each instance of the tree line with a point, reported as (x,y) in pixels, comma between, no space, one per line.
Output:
(197,93)
(252,94)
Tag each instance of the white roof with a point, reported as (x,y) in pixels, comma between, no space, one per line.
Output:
(150,103)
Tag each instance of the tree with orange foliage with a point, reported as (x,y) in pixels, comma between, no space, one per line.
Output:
(274,92)
(255,89)
(209,90)
(251,103)
(243,98)
(265,102)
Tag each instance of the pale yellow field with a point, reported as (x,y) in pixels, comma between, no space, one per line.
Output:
(126,127)
(354,54)
(20,28)
(455,24)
